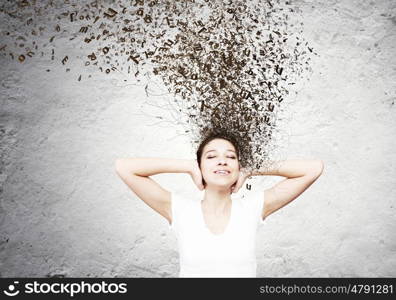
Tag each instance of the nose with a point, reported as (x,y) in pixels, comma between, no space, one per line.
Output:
(222,161)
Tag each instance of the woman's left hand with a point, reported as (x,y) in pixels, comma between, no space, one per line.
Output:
(243,174)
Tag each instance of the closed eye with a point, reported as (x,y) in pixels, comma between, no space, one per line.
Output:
(233,157)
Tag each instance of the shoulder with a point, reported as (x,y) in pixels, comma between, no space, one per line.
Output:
(183,198)
(254,194)
(181,209)
(253,198)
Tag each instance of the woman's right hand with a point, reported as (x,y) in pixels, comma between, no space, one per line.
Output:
(196,174)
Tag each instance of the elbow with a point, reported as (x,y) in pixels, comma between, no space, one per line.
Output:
(317,168)
(320,166)
(118,164)
(124,165)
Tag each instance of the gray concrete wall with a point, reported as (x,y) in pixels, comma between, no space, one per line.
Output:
(64,211)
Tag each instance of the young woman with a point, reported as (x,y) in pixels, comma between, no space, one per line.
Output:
(216,231)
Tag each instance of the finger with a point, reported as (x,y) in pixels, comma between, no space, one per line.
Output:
(238,183)
(200,184)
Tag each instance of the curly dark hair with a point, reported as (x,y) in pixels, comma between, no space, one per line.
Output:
(212,135)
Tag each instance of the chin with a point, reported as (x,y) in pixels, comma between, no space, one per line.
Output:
(223,185)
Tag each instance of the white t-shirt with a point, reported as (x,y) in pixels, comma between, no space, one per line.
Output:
(205,254)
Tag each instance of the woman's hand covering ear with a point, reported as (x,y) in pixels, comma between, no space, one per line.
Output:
(243,175)
(196,174)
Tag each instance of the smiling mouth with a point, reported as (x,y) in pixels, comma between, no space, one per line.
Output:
(223,173)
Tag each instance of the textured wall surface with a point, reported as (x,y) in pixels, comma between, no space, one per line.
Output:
(64,211)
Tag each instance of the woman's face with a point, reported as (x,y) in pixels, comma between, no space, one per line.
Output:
(219,154)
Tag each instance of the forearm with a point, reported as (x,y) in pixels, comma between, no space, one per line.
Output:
(153,166)
(291,168)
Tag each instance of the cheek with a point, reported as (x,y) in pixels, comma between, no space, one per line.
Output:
(205,170)
(208,165)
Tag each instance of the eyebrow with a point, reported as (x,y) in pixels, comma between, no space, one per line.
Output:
(216,150)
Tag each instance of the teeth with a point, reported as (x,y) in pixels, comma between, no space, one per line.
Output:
(222,172)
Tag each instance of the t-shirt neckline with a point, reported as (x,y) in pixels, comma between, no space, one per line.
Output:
(225,232)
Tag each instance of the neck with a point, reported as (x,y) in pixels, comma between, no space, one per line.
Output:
(217,200)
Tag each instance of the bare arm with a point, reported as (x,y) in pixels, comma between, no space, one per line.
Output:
(300,175)
(153,165)
(135,173)
(292,168)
